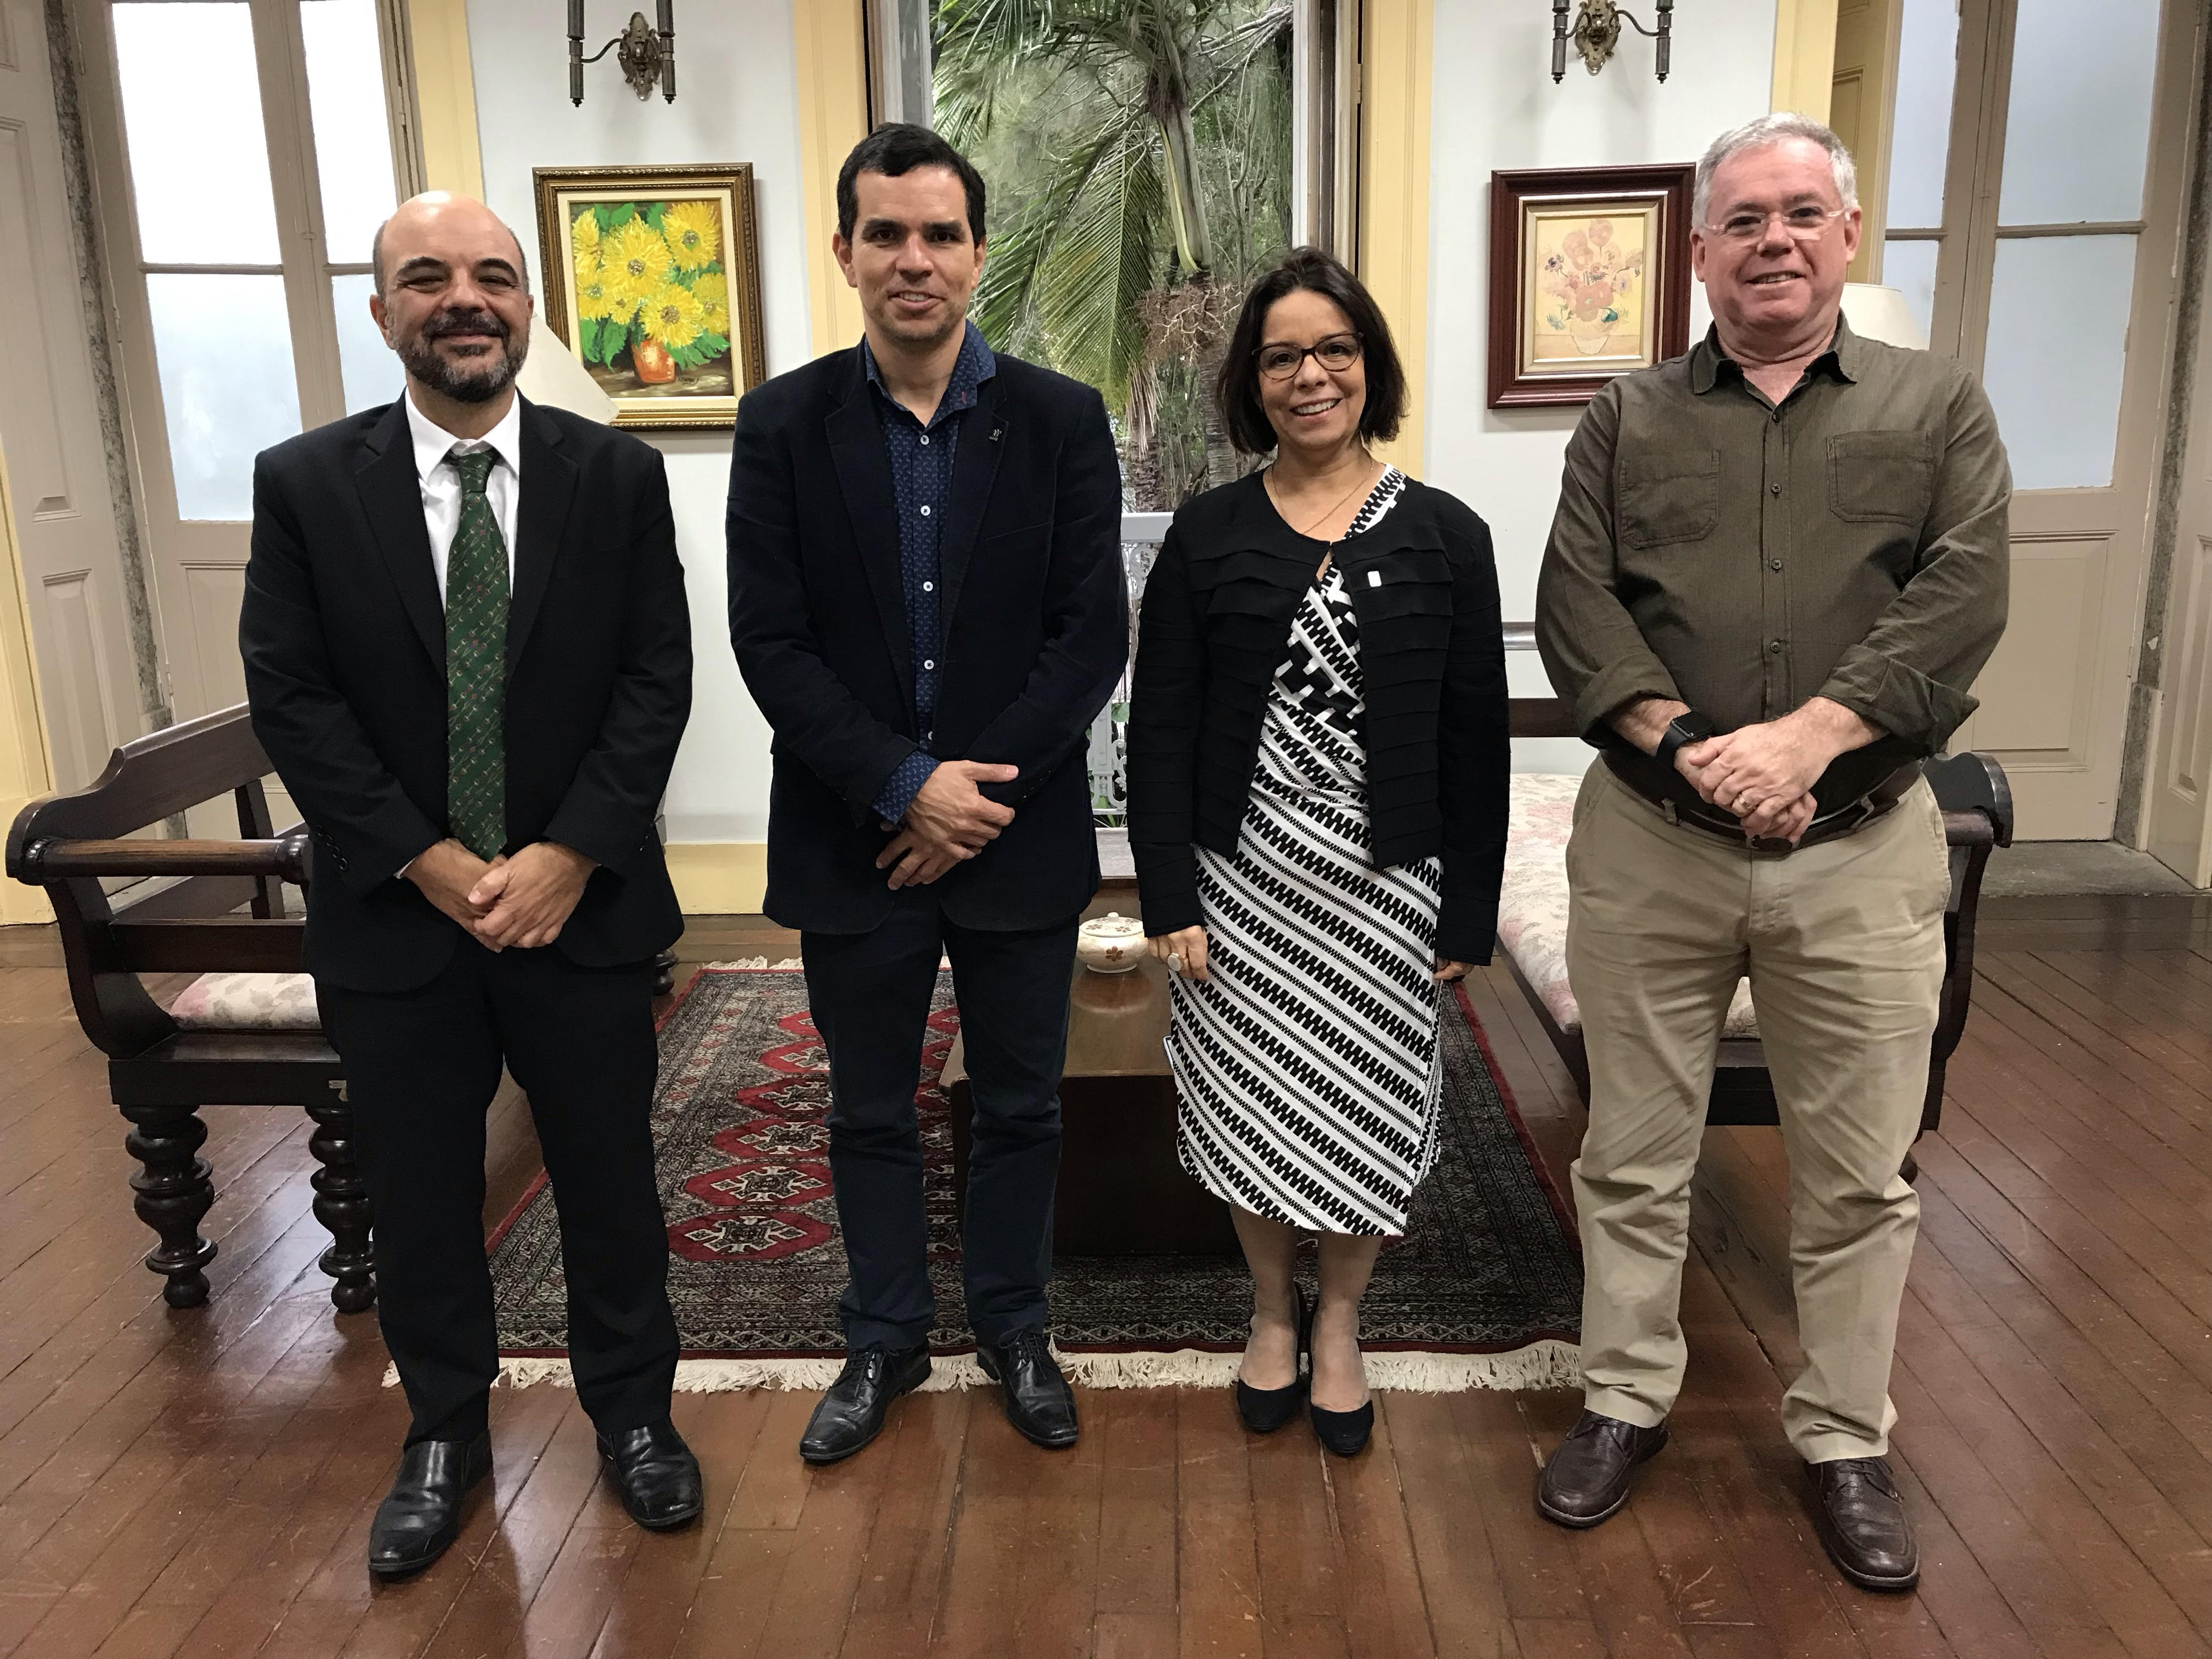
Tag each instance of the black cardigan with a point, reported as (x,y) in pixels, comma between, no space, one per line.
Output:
(1216,625)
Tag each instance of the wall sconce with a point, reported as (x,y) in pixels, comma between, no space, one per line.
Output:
(1597,30)
(647,57)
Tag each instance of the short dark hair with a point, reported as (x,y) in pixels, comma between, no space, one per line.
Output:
(896,148)
(1244,415)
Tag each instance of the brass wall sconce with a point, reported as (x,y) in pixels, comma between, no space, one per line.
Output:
(647,56)
(1596,31)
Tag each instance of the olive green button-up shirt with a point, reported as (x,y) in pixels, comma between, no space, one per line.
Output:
(1741,556)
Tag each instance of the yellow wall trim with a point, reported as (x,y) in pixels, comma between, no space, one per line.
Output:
(719,878)
(1394,193)
(830,42)
(1804,56)
(26,770)
(446,96)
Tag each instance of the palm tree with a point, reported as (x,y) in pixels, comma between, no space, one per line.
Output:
(1115,268)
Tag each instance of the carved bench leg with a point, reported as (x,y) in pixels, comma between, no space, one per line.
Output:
(664,973)
(173,1193)
(342,1204)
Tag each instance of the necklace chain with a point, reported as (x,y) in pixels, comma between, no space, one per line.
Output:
(1329,511)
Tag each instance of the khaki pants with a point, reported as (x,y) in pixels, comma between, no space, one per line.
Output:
(1844,943)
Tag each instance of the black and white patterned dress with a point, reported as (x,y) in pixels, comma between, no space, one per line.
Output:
(1307,1067)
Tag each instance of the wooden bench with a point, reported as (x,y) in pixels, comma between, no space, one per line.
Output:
(245,1032)
(1977,817)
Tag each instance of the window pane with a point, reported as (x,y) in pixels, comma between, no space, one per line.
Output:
(2058,332)
(372,372)
(191,116)
(352,135)
(1910,268)
(224,344)
(1920,135)
(2078,127)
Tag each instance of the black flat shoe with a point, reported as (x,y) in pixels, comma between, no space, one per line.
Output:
(1344,1433)
(655,1474)
(1265,1410)
(1039,1403)
(1863,1522)
(420,1518)
(852,1413)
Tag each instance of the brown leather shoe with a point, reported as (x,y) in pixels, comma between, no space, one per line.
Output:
(1588,1478)
(1863,1522)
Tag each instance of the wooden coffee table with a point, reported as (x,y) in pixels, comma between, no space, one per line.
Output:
(1121,1191)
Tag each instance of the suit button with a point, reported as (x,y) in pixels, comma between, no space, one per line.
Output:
(1774,646)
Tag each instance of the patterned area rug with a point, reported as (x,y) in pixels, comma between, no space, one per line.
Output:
(1485,1292)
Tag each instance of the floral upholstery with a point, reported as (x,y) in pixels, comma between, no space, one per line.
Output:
(1532,909)
(247,1002)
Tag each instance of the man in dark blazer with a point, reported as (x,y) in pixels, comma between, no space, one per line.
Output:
(926,599)
(468,653)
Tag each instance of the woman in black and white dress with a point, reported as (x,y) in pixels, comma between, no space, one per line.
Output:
(1318,752)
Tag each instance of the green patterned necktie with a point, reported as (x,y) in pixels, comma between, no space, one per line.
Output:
(475,665)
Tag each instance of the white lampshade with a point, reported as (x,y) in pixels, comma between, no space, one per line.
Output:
(551,374)
(1880,313)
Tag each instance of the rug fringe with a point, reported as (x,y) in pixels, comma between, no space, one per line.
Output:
(755,962)
(1547,1364)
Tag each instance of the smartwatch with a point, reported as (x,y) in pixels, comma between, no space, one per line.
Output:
(1686,728)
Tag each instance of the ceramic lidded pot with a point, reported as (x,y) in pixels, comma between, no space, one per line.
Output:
(1111,943)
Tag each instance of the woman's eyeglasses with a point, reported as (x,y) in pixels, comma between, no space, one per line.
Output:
(1336,353)
(1805,222)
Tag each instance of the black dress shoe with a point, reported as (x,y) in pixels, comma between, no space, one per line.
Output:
(1344,1433)
(852,1413)
(422,1514)
(1863,1522)
(1587,1479)
(1265,1410)
(1039,1402)
(656,1474)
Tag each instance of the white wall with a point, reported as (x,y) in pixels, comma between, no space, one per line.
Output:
(1495,108)
(736,100)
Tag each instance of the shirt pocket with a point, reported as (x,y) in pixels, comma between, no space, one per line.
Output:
(1880,477)
(1670,497)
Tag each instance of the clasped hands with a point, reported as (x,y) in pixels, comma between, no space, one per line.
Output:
(1764,773)
(523,901)
(947,821)
(1184,953)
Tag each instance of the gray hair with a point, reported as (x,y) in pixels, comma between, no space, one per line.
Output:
(1776,129)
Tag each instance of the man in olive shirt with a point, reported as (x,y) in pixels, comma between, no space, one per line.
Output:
(1777,565)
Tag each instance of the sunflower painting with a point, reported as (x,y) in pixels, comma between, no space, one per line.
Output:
(642,266)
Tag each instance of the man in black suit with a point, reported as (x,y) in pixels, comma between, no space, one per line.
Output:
(469,655)
(926,599)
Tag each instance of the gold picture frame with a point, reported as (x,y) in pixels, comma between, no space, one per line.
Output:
(652,278)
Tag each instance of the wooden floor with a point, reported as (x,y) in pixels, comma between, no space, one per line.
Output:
(199,1483)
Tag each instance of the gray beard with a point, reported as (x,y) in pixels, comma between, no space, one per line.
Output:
(469,384)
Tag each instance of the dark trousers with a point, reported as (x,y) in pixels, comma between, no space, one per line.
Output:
(871,995)
(421,1068)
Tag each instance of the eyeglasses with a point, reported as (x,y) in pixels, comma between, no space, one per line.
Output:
(1336,353)
(1804,222)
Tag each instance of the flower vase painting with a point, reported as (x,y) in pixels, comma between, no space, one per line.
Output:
(1589,279)
(652,278)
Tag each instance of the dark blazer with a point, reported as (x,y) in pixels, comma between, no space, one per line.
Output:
(1216,626)
(344,640)
(1035,635)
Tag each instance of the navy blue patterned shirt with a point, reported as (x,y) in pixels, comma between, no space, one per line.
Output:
(921,482)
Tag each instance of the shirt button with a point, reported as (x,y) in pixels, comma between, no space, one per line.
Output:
(1774,490)
(925,440)
(930,587)
(1774,564)
(1774,646)
(931,662)
(925,512)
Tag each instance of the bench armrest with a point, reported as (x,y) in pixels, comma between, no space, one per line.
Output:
(44,861)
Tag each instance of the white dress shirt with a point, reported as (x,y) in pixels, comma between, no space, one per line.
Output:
(441,484)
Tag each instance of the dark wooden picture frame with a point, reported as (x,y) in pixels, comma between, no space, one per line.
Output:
(1527,209)
(676,340)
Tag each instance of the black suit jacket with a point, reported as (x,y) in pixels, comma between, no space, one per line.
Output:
(1035,635)
(344,640)
(1216,624)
